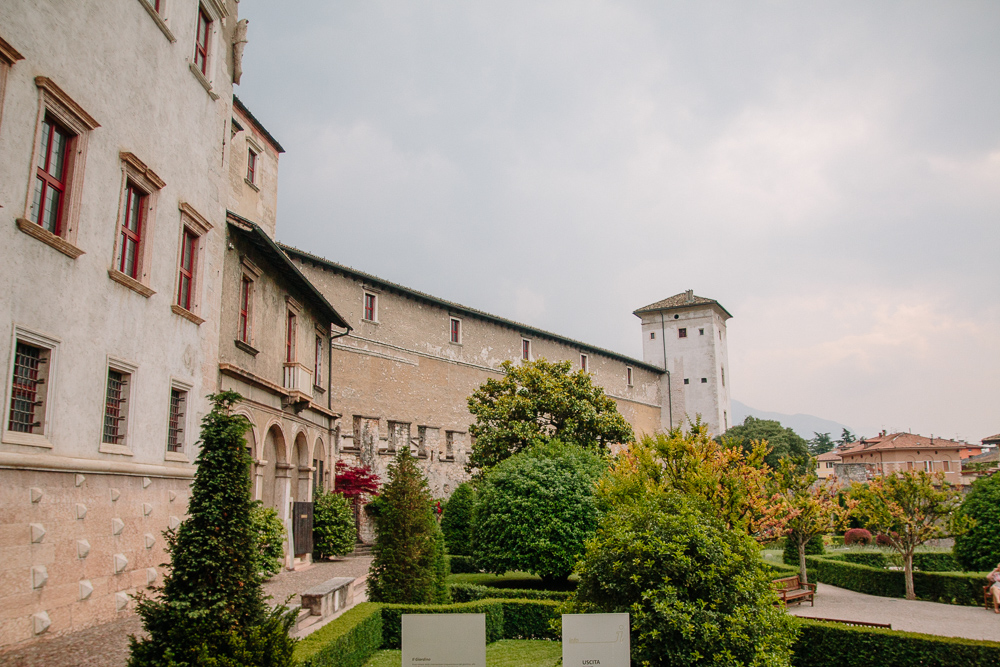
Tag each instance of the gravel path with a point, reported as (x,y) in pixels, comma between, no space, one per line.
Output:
(933,618)
(107,645)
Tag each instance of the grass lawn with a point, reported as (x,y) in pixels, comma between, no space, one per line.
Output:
(504,653)
(509,580)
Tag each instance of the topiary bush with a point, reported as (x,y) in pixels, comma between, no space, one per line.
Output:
(210,610)
(857,536)
(270,532)
(698,594)
(456,522)
(978,550)
(347,641)
(334,532)
(535,510)
(408,564)
(790,554)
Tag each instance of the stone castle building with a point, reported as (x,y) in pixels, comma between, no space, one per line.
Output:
(138,212)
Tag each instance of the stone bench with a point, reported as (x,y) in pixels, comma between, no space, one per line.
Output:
(329,597)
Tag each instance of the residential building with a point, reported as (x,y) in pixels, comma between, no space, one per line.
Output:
(893,452)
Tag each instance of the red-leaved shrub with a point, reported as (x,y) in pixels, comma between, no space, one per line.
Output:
(857,536)
(883,540)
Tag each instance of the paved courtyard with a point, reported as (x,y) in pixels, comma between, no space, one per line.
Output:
(933,618)
(107,645)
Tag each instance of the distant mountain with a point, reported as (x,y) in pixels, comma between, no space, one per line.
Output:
(804,425)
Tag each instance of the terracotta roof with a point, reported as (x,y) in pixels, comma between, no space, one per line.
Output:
(897,441)
(682,300)
(993,439)
(992,455)
(832,455)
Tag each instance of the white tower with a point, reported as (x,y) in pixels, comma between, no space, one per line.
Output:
(686,335)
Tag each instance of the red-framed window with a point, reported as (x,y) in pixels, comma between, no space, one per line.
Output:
(130,233)
(456,330)
(29,375)
(115,413)
(201,41)
(156,6)
(525,349)
(50,182)
(318,363)
(175,425)
(290,337)
(371,307)
(252,166)
(583,362)
(185,282)
(246,299)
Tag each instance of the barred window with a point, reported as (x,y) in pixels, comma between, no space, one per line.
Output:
(116,407)
(27,396)
(175,424)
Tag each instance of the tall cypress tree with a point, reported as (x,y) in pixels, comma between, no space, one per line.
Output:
(210,610)
(408,564)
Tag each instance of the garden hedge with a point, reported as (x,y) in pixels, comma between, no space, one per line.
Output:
(926,561)
(461,565)
(462,592)
(834,644)
(869,558)
(948,587)
(347,641)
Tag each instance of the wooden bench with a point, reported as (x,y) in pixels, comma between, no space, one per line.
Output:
(790,589)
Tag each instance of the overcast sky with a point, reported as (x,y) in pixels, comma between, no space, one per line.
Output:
(830,172)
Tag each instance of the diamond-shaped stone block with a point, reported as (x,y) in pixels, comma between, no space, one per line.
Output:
(115,493)
(36,494)
(172,495)
(174,523)
(40,622)
(146,482)
(150,575)
(117,526)
(82,548)
(80,479)
(86,588)
(150,540)
(37,533)
(39,575)
(121,601)
(121,563)
(81,510)
(147,509)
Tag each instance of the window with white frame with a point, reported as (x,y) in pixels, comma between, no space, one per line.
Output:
(371,307)
(133,251)
(30,389)
(187,293)
(253,164)
(318,362)
(291,325)
(456,330)
(118,393)
(584,363)
(52,207)
(176,420)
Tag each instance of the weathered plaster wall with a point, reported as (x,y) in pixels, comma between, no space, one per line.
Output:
(259,201)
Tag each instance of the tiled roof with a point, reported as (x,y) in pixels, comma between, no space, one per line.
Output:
(459,308)
(682,300)
(832,455)
(992,455)
(993,439)
(897,441)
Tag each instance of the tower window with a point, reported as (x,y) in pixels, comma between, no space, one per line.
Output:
(682,333)
(652,335)
(704,380)
(628,375)
(525,349)
(687,381)
(584,362)
(701,332)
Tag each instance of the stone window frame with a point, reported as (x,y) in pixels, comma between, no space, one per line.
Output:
(215,11)
(629,376)
(8,56)
(455,333)
(253,148)
(318,361)
(584,362)
(136,172)
(372,294)
(37,339)
(197,225)
(525,349)
(53,101)
(132,370)
(187,388)
(157,10)
(251,273)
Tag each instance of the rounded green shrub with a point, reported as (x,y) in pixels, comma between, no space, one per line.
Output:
(456,522)
(270,532)
(978,550)
(334,532)
(535,511)
(698,594)
(408,564)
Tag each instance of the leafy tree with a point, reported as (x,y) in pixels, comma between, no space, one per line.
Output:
(735,483)
(409,563)
(790,554)
(698,593)
(210,609)
(334,532)
(784,442)
(808,509)
(456,522)
(535,509)
(909,508)
(270,532)
(846,438)
(979,549)
(357,483)
(538,401)
(820,444)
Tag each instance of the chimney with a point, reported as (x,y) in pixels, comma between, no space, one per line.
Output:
(689,296)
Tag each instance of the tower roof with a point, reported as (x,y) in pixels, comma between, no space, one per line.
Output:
(678,301)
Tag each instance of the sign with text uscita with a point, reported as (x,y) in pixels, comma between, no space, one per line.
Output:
(444,640)
(589,640)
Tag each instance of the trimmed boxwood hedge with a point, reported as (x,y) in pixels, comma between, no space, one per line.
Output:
(347,641)
(926,561)
(822,644)
(869,558)
(948,587)
(462,592)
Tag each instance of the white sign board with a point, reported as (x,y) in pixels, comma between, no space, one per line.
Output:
(444,640)
(589,640)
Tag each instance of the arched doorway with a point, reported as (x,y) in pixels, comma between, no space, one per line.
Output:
(321,472)
(272,492)
(303,476)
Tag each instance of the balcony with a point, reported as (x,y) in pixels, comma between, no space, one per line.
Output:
(298,381)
